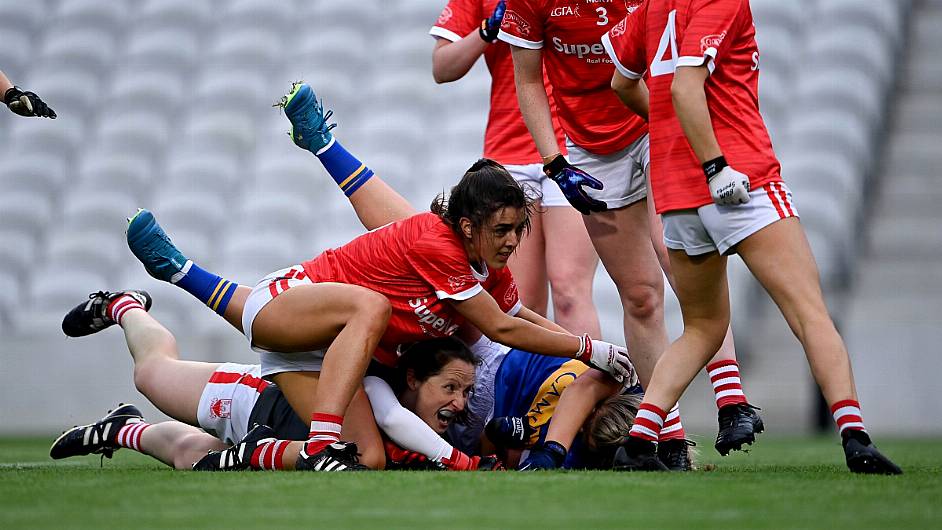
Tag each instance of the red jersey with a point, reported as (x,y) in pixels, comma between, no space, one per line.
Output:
(569,33)
(418,264)
(506,139)
(660,36)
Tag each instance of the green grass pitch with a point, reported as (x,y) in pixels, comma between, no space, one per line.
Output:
(800,483)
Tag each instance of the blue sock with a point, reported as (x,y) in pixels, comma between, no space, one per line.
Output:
(212,290)
(348,172)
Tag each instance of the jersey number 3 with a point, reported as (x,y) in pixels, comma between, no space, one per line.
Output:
(661,65)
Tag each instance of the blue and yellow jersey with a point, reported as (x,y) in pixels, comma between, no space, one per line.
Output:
(529,385)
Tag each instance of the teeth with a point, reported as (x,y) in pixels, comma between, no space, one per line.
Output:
(446,414)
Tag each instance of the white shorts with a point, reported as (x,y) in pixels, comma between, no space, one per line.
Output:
(622,173)
(265,291)
(537,185)
(719,228)
(228,399)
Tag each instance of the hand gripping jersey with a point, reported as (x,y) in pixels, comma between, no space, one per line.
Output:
(507,139)
(569,32)
(419,264)
(661,36)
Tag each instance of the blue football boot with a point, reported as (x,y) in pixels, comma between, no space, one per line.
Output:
(309,127)
(151,245)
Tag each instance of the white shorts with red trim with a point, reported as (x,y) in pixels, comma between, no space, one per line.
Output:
(228,399)
(265,291)
(622,173)
(712,227)
(537,185)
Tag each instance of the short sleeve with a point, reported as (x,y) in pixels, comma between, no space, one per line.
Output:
(705,37)
(459,18)
(445,267)
(503,288)
(624,43)
(522,25)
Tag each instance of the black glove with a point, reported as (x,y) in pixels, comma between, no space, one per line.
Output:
(570,180)
(509,432)
(27,103)
(490,26)
(549,455)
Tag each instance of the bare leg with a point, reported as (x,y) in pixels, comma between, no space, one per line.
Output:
(622,240)
(528,265)
(172,385)
(704,299)
(570,264)
(780,258)
(177,444)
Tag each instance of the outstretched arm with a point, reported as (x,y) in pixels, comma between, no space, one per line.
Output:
(577,403)
(24,103)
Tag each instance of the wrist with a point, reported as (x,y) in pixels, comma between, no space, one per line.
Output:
(556,450)
(714,166)
(549,158)
(585,349)
(486,35)
(10,94)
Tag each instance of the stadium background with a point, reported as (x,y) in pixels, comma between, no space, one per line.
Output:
(166,104)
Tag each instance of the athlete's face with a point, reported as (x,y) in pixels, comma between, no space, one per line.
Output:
(440,398)
(494,242)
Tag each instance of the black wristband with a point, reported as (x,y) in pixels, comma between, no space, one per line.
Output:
(712,167)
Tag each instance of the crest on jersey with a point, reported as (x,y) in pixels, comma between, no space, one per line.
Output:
(631,5)
(620,28)
(510,297)
(513,20)
(711,41)
(220,408)
(446,15)
(457,282)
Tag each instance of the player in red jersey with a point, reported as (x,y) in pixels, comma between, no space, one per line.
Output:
(556,250)
(432,272)
(609,142)
(717,182)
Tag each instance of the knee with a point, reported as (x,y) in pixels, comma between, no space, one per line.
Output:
(643,301)
(373,309)
(145,376)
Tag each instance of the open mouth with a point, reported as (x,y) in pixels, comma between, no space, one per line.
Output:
(445,416)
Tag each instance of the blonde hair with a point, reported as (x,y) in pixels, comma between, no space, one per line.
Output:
(612,420)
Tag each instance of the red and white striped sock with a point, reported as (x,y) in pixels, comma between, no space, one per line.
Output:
(121,305)
(130,435)
(648,422)
(268,455)
(727,386)
(673,429)
(325,430)
(847,415)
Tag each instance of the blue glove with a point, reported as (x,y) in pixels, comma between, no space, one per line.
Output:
(509,432)
(490,26)
(570,180)
(548,455)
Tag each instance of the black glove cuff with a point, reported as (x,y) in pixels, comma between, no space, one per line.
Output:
(11,94)
(556,451)
(555,166)
(712,167)
(486,35)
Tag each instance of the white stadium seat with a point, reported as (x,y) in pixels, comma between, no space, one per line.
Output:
(115,170)
(18,250)
(97,209)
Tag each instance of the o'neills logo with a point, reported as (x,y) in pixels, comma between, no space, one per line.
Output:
(220,408)
(513,20)
(427,317)
(620,28)
(711,41)
(446,15)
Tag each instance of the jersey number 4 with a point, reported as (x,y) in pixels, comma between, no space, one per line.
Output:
(664,63)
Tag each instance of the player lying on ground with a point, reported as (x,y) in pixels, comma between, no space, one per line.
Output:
(435,271)
(701,99)
(217,405)
(605,177)
(24,103)
(527,389)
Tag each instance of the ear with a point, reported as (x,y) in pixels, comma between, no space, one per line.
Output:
(465,224)
(411,381)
